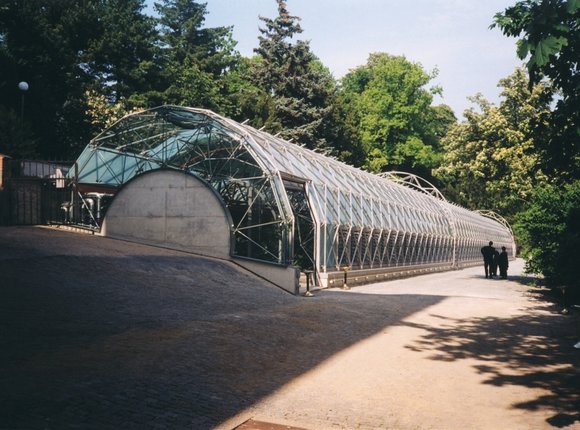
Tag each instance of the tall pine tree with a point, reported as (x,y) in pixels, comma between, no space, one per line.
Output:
(123,58)
(298,88)
(196,58)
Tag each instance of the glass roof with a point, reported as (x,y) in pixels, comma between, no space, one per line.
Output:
(230,155)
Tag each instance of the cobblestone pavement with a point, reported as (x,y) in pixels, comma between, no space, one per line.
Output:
(104,334)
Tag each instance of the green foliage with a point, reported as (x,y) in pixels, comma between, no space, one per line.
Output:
(550,41)
(388,118)
(296,90)
(65,49)
(121,51)
(16,138)
(245,100)
(549,232)
(62,49)
(37,46)
(195,58)
(490,159)
(102,113)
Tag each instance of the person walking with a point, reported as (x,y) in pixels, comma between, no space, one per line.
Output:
(503,263)
(487,252)
(494,263)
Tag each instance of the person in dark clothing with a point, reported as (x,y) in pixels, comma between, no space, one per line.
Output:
(503,263)
(494,263)
(487,252)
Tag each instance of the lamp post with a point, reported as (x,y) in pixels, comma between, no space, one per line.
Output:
(23,87)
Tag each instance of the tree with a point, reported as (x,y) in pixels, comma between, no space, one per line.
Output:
(102,113)
(121,56)
(388,116)
(40,43)
(15,137)
(490,159)
(246,100)
(63,48)
(550,41)
(549,232)
(196,59)
(296,88)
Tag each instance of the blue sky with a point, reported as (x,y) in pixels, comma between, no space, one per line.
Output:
(450,35)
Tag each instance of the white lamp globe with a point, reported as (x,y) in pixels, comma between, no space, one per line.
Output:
(23,86)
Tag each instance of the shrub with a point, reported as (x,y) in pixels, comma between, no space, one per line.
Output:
(549,232)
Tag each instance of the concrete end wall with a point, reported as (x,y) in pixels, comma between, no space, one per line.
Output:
(171,209)
(179,211)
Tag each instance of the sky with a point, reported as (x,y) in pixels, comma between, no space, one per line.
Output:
(452,36)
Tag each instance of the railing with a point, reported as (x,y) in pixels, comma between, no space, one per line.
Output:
(31,192)
(46,193)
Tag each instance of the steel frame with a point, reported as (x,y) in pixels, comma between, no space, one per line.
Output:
(359,220)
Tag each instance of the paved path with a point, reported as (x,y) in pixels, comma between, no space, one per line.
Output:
(104,334)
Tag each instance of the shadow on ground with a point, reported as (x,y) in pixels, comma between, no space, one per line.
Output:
(533,351)
(100,334)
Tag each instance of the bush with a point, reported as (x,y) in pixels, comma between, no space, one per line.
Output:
(549,232)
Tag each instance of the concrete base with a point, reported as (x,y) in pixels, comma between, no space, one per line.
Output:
(286,278)
(369,276)
(171,209)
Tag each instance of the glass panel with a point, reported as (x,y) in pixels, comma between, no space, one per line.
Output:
(242,164)
(303,227)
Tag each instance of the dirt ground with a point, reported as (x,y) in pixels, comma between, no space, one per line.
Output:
(104,334)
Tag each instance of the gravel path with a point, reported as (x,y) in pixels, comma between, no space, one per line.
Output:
(104,334)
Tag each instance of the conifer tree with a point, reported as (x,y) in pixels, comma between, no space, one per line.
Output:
(196,58)
(121,57)
(298,87)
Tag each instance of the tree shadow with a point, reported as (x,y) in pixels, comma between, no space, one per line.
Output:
(533,350)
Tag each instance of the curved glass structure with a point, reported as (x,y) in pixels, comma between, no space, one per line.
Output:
(290,205)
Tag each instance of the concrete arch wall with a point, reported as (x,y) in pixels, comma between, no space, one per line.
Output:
(172,209)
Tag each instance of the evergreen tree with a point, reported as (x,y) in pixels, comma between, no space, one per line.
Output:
(63,48)
(297,89)
(121,59)
(196,59)
(42,43)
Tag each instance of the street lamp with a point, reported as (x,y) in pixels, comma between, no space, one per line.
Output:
(22,86)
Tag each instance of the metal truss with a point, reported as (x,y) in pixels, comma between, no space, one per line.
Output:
(497,217)
(413,181)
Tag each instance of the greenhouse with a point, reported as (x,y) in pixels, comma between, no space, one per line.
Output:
(287,205)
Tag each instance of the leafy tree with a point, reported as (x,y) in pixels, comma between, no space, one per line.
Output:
(440,120)
(102,113)
(245,99)
(550,41)
(388,116)
(296,89)
(549,232)
(490,159)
